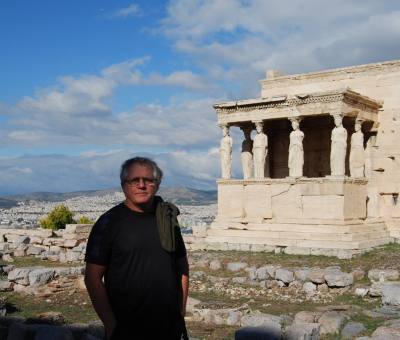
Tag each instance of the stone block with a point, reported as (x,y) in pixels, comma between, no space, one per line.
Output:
(352,329)
(262,273)
(316,275)
(386,333)
(336,278)
(32,250)
(4,247)
(36,240)
(284,275)
(236,266)
(306,317)
(391,293)
(215,264)
(239,279)
(309,288)
(39,277)
(20,275)
(301,274)
(331,322)
(383,275)
(70,243)
(305,331)
(233,318)
(5,286)
(72,256)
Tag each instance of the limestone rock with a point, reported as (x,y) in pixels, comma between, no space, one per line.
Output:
(323,288)
(383,275)
(305,317)
(387,333)
(284,275)
(72,256)
(360,291)
(239,279)
(270,323)
(262,273)
(391,293)
(191,304)
(305,331)
(215,264)
(39,277)
(252,271)
(236,266)
(5,286)
(309,288)
(7,258)
(316,275)
(336,278)
(234,317)
(301,274)
(331,322)
(375,290)
(352,329)
(20,275)
(32,250)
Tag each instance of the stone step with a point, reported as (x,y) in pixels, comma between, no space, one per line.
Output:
(305,228)
(292,235)
(326,244)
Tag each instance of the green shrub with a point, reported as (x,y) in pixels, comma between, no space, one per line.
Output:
(58,218)
(85,220)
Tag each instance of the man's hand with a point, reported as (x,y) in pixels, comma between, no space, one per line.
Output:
(94,283)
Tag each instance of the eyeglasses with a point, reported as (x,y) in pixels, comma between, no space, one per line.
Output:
(137,181)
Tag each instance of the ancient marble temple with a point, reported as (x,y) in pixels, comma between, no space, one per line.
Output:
(321,164)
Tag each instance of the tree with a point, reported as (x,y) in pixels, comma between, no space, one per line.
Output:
(58,218)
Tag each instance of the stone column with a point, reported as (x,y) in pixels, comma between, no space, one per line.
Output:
(338,147)
(247,153)
(260,150)
(226,153)
(357,152)
(296,152)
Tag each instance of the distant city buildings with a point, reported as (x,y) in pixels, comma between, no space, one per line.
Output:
(28,214)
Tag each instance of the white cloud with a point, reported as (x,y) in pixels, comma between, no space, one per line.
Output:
(59,173)
(237,41)
(129,11)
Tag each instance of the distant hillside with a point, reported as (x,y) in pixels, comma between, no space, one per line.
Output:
(7,203)
(188,196)
(178,195)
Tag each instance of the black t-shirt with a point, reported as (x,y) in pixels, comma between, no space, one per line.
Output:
(140,278)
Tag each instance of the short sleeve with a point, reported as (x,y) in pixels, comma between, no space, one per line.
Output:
(180,249)
(98,247)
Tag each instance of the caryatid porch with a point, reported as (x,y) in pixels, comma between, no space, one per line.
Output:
(310,195)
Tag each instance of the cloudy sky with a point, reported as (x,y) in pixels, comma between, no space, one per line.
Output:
(86,84)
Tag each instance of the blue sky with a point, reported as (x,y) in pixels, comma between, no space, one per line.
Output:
(86,84)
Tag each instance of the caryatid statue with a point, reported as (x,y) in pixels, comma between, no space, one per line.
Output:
(357,152)
(247,155)
(296,152)
(260,151)
(338,147)
(226,153)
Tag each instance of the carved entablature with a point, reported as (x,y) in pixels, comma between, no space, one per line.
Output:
(344,101)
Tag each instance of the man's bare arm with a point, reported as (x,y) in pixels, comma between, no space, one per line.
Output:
(94,283)
(183,269)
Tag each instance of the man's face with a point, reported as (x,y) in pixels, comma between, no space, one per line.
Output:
(140,187)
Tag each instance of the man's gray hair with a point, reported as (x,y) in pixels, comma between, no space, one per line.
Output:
(143,161)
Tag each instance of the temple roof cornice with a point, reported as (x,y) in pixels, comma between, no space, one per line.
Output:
(345,101)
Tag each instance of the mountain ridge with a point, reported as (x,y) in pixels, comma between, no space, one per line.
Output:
(178,195)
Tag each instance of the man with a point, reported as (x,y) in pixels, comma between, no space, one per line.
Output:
(137,248)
